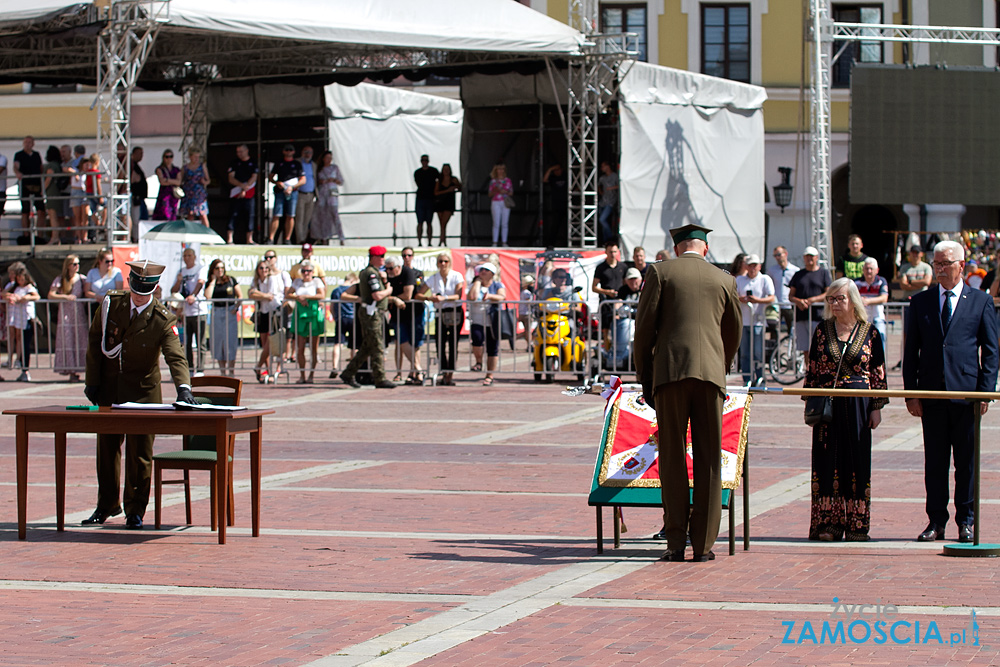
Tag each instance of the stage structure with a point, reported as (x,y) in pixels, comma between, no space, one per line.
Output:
(822,33)
(187,45)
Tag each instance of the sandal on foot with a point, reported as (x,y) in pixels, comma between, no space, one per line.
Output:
(488,381)
(477,368)
(398,377)
(419,378)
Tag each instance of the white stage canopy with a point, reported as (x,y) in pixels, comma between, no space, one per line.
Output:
(377,135)
(692,151)
(314,41)
(450,25)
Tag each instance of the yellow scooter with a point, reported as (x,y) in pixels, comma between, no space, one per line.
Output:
(556,348)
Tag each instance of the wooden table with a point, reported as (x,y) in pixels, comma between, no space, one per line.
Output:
(60,421)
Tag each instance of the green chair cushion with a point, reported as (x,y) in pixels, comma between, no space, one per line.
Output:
(206,442)
(187,455)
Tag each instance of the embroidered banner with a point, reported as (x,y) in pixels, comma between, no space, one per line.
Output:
(631,445)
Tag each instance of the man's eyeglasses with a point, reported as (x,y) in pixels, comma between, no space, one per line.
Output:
(840,298)
(168,155)
(270,256)
(944,265)
(407,255)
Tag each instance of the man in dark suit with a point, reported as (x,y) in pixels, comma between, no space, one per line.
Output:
(130,330)
(687,331)
(951,344)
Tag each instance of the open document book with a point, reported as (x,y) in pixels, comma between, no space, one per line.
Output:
(204,407)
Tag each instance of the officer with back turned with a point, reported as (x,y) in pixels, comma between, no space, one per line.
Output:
(130,330)
(373,293)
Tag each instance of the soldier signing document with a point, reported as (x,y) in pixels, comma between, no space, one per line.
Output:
(129,332)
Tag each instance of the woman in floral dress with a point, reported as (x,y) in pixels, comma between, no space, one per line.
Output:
(842,449)
(194,180)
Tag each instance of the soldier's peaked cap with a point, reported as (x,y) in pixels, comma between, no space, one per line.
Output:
(143,276)
(688,232)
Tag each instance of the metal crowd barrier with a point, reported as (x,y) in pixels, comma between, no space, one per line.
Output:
(606,334)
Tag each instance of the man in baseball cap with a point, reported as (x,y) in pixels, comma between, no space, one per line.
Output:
(307,256)
(806,291)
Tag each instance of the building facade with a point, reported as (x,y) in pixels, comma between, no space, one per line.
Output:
(763,42)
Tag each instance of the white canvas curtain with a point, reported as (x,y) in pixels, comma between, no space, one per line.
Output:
(692,150)
(377,135)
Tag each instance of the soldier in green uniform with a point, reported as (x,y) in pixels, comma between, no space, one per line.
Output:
(129,331)
(373,293)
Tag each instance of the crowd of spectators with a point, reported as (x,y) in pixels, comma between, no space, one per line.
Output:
(290,318)
(63,189)
(68,193)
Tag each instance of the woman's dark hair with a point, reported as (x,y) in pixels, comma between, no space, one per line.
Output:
(734,268)
(53,155)
(211,269)
(23,271)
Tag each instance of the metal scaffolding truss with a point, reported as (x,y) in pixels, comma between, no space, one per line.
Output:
(819,136)
(593,83)
(822,33)
(122,48)
(195,132)
(868,32)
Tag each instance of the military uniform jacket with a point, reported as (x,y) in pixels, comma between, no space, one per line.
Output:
(367,277)
(688,323)
(133,374)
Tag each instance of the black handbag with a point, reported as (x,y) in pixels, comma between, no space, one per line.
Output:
(819,409)
(508,326)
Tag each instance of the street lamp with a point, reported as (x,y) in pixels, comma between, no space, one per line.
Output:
(783,191)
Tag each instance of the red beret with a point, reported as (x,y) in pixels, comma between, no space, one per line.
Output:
(376,251)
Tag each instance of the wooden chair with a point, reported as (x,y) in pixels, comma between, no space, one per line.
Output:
(199,450)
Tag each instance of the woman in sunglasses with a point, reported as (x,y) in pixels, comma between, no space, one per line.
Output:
(305,293)
(169,177)
(445,289)
(103,277)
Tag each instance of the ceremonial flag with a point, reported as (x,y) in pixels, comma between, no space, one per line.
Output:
(631,444)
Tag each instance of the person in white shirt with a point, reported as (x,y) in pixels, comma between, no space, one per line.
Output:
(756,291)
(446,289)
(190,283)
(781,273)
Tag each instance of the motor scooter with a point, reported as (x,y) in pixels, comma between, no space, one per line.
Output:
(557,348)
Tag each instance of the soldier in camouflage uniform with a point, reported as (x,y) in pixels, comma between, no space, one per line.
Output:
(129,331)
(373,294)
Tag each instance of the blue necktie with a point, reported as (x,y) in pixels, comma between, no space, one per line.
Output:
(946,311)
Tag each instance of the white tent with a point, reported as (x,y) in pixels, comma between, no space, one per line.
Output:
(427,24)
(692,150)
(314,41)
(377,135)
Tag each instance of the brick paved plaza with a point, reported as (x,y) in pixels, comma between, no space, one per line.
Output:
(450,526)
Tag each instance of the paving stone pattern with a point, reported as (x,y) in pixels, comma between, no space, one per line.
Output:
(449,526)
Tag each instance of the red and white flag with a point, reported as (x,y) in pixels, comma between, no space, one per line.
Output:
(632,442)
